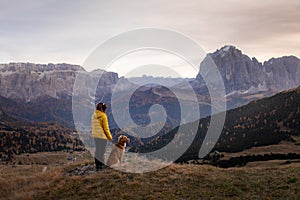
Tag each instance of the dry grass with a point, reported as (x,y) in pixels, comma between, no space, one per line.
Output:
(36,173)
(22,181)
(52,158)
(173,182)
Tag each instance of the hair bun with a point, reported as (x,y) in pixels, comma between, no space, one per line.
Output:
(101,106)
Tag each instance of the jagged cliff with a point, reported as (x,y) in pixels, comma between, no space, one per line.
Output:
(242,74)
(28,81)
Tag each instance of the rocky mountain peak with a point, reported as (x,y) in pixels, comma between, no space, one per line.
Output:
(228,50)
(242,74)
(239,72)
(284,72)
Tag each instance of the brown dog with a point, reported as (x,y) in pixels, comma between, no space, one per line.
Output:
(117,151)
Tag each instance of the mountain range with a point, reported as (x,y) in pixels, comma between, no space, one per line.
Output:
(240,73)
(43,92)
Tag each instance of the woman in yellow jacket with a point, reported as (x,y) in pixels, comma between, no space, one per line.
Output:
(100,133)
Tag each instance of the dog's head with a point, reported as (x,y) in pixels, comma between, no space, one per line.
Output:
(123,139)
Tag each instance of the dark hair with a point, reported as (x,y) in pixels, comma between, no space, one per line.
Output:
(101,106)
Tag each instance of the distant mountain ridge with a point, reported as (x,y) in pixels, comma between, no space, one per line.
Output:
(154,81)
(43,92)
(240,73)
(29,81)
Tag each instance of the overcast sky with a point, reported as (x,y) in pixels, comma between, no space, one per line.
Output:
(59,31)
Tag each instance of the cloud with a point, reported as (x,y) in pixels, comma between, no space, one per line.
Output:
(67,31)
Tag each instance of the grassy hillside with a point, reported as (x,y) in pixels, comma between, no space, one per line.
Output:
(262,122)
(174,182)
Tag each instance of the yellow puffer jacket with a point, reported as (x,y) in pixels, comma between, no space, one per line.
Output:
(100,128)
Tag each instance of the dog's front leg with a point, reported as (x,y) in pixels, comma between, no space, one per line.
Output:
(120,161)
